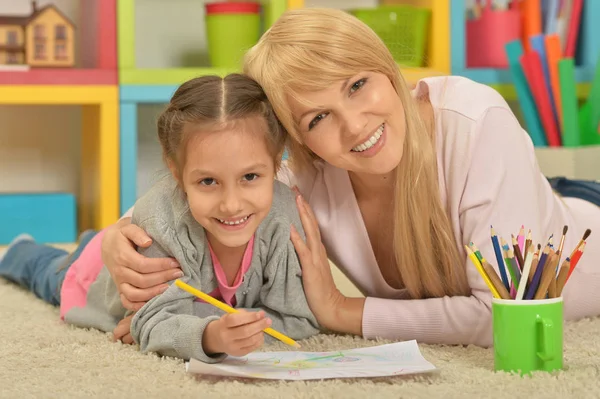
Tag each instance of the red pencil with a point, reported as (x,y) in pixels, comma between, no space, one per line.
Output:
(532,67)
(575,259)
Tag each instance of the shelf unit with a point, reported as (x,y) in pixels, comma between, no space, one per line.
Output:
(94,88)
(500,79)
(153,86)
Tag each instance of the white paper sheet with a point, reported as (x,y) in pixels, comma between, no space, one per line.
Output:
(400,358)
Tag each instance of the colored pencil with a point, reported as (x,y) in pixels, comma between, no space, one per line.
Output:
(575,259)
(511,263)
(517,250)
(527,242)
(562,276)
(534,263)
(481,271)
(521,239)
(585,236)
(547,276)
(228,309)
(524,276)
(499,259)
(535,282)
(561,245)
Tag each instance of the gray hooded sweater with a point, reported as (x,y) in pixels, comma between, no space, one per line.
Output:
(172,323)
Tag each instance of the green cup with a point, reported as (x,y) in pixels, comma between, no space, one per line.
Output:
(528,335)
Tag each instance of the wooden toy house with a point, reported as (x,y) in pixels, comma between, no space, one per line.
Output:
(45,38)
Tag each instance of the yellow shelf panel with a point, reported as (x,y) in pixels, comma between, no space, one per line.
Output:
(58,94)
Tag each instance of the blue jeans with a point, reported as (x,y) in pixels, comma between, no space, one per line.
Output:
(40,268)
(588,190)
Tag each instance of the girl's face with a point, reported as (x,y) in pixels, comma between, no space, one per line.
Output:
(357,124)
(228,177)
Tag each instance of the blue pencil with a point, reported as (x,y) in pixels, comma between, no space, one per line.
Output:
(499,259)
(535,282)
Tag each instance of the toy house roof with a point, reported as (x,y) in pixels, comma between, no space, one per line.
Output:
(26,19)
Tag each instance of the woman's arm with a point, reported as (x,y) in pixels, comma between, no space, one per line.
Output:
(502,155)
(137,277)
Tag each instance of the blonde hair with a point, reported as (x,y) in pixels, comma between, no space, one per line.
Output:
(310,49)
(211,101)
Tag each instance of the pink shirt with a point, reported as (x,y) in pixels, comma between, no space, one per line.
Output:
(82,273)
(225,292)
(488,175)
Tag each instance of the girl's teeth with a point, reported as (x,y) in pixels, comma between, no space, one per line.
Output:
(233,223)
(370,142)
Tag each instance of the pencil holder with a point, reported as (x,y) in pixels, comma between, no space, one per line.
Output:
(231,29)
(528,335)
(488,34)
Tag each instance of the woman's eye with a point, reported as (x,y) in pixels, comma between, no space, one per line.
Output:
(357,85)
(209,181)
(250,176)
(316,120)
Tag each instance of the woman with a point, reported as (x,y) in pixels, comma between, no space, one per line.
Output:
(399,182)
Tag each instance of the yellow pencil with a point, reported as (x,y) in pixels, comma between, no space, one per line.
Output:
(228,309)
(482,272)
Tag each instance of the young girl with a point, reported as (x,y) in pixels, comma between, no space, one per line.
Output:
(221,215)
(399,182)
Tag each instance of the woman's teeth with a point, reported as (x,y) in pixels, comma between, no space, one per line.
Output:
(234,222)
(371,141)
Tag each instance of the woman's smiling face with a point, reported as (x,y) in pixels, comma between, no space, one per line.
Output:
(356,124)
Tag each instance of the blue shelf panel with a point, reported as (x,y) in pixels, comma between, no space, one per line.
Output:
(48,217)
(146,94)
(501,76)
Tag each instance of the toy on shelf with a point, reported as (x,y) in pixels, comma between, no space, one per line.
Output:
(231,29)
(44,38)
(488,30)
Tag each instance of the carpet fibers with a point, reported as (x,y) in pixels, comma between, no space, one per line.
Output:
(40,357)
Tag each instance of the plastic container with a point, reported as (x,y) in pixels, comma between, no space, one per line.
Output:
(231,29)
(403,29)
(487,36)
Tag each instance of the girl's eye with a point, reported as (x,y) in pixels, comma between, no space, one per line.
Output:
(250,176)
(316,120)
(209,181)
(358,84)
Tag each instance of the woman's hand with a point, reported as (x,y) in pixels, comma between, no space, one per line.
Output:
(137,277)
(324,299)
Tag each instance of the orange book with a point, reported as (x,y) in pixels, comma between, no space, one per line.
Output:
(531,11)
(553,53)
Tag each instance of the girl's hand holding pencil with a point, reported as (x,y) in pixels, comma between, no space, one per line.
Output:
(535,273)
(236,334)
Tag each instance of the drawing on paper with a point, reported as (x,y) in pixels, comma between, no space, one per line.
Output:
(384,360)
